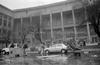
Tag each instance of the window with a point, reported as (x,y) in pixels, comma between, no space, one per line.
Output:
(56,20)
(4,31)
(53,46)
(5,22)
(81,31)
(9,24)
(0,20)
(69,32)
(67,18)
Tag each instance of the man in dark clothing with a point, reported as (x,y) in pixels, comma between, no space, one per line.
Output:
(25,47)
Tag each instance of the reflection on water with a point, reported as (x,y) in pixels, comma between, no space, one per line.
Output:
(8,61)
(83,60)
(61,59)
(75,60)
(2,60)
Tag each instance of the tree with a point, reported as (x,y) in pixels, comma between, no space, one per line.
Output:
(25,31)
(92,9)
(37,32)
(32,28)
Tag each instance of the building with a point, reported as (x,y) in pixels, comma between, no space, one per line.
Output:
(58,21)
(6,20)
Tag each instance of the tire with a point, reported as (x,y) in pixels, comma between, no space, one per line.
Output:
(63,51)
(4,52)
(47,52)
(7,53)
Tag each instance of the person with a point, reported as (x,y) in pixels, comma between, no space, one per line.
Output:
(25,47)
(42,49)
(84,44)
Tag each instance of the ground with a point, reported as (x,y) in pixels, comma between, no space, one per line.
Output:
(53,59)
(86,58)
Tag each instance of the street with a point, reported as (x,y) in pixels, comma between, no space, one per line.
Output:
(53,59)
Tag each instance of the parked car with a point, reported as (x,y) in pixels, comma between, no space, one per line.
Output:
(56,48)
(13,49)
(6,50)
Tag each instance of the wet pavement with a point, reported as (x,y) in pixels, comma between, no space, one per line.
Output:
(55,59)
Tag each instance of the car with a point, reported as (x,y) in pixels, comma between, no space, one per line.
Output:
(13,49)
(6,50)
(56,48)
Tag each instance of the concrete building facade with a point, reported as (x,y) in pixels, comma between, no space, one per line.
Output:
(6,21)
(58,21)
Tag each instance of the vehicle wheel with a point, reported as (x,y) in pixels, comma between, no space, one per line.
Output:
(7,53)
(63,51)
(46,52)
(3,52)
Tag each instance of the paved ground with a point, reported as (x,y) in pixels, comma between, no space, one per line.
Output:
(57,59)
(89,58)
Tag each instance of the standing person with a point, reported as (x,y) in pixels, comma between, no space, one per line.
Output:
(84,44)
(25,47)
(42,49)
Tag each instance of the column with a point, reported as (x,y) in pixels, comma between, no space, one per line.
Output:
(74,21)
(62,25)
(21,29)
(8,26)
(40,27)
(31,31)
(51,27)
(88,30)
(12,26)
(2,25)
(1,30)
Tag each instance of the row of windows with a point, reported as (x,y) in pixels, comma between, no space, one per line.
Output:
(4,20)
(69,31)
(47,36)
(56,18)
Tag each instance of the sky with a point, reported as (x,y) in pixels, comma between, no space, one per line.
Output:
(18,4)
